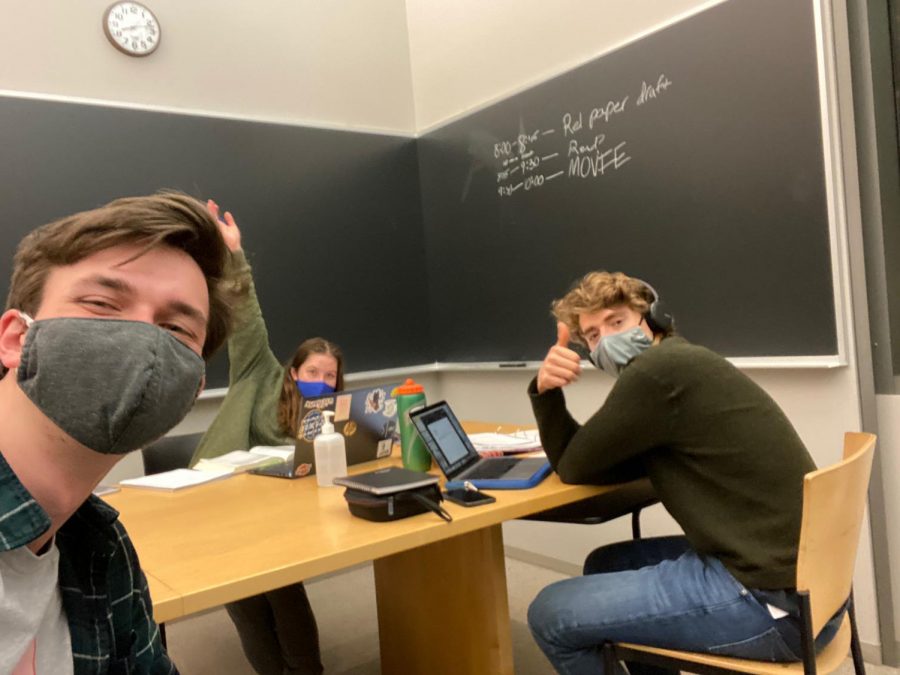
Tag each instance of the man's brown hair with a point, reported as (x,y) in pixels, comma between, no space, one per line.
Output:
(600,290)
(165,218)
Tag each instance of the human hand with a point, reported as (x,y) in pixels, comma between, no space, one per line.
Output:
(231,233)
(561,366)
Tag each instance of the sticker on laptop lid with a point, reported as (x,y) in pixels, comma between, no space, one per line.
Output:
(375,401)
(342,407)
(390,407)
(311,425)
(384,448)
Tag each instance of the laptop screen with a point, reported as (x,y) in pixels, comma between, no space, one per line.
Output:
(447,439)
(444,437)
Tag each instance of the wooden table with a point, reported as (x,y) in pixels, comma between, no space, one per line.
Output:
(441,587)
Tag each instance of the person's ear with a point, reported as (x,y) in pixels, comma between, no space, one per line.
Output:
(12,337)
(295,374)
(200,388)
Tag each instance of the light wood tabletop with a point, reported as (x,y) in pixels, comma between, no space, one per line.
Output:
(229,539)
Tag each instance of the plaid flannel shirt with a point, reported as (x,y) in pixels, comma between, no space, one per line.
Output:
(104,592)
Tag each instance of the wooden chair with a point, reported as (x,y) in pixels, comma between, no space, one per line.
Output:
(834,500)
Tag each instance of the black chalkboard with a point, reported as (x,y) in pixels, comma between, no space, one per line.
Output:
(331,219)
(701,146)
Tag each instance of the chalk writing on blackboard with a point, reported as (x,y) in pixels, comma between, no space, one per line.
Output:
(535,158)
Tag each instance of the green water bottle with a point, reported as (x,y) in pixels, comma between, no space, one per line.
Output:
(410,397)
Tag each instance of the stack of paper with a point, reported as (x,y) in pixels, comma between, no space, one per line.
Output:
(175,479)
(490,444)
(242,460)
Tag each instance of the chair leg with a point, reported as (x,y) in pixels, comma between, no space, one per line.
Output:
(636,524)
(807,640)
(855,649)
(609,658)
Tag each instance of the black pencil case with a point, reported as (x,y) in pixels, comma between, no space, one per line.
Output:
(397,505)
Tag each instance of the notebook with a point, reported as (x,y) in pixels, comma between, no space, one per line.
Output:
(244,460)
(175,479)
(495,444)
(387,481)
(366,417)
(456,456)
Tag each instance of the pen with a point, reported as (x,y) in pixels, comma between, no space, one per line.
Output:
(514,364)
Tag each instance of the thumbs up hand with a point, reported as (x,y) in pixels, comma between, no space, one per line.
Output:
(562,334)
(561,366)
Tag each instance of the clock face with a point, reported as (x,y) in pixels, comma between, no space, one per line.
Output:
(132,28)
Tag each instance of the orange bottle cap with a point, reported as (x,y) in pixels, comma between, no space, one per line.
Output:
(408,387)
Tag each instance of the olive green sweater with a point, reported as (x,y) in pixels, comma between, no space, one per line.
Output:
(722,456)
(248,415)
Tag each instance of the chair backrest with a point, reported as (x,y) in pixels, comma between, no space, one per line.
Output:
(170,452)
(834,501)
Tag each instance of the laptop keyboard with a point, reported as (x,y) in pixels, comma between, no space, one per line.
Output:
(492,468)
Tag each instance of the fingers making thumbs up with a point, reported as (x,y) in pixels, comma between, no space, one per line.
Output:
(562,334)
(561,366)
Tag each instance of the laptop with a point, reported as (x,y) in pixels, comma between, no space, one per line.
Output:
(460,462)
(366,417)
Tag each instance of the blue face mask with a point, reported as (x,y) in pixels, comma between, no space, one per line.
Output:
(309,389)
(614,352)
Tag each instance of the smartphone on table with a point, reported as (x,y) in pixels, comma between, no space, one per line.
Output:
(467,496)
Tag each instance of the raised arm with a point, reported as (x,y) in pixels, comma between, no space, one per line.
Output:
(231,233)
(248,345)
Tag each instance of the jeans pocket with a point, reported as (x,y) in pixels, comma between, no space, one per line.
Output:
(767,646)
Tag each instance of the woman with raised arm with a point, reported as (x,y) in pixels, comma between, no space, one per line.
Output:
(277,629)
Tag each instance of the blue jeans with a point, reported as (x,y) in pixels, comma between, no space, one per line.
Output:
(658,592)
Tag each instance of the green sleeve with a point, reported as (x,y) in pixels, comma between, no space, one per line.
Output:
(634,418)
(247,415)
(248,345)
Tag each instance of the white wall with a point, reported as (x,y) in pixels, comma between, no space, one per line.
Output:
(889,448)
(341,63)
(466,53)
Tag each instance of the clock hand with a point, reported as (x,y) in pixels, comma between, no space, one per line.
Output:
(135,26)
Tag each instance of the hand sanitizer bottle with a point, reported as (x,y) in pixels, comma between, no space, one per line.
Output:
(331,455)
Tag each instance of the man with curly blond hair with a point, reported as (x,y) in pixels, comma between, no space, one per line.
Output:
(725,462)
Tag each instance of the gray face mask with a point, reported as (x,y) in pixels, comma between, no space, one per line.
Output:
(114,386)
(614,352)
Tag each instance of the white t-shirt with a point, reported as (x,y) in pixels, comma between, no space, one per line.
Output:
(36,639)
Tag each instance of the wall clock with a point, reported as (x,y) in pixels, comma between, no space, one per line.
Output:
(132,28)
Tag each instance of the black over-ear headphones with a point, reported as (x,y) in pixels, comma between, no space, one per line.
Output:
(658,317)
